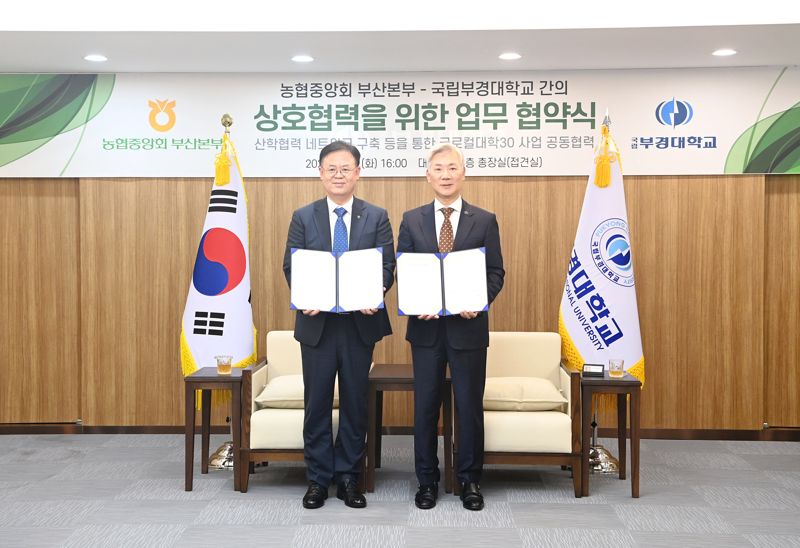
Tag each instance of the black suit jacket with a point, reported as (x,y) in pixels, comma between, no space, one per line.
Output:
(476,228)
(369,227)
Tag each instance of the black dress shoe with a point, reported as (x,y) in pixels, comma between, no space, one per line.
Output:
(471,497)
(349,493)
(426,496)
(315,496)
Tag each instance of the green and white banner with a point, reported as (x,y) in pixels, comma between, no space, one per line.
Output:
(666,122)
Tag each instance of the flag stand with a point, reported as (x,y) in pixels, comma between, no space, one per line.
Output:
(222,458)
(601,461)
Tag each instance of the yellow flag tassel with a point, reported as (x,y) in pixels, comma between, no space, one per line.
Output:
(222,164)
(570,354)
(602,174)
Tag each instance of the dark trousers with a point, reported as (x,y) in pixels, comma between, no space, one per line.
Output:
(468,374)
(340,350)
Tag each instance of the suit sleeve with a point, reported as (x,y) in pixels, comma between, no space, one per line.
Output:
(495,274)
(296,238)
(386,241)
(405,243)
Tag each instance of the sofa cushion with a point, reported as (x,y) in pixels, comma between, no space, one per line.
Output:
(543,432)
(286,392)
(521,394)
(280,428)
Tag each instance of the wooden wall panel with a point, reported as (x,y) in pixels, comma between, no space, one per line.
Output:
(697,249)
(138,242)
(39,308)
(699,276)
(782,301)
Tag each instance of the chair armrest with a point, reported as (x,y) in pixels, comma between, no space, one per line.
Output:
(571,388)
(260,373)
(254,378)
(565,385)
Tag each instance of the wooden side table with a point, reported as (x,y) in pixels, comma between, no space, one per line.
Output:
(206,380)
(622,387)
(400,377)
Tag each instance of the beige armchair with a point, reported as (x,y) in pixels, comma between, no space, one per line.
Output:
(272,406)
(531,404)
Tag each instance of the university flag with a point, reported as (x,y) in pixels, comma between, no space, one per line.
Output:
(218,318)
(598,318)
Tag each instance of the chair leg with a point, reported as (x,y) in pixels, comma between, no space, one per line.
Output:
(244,473)
(362,476)
(576,475)
(456,484)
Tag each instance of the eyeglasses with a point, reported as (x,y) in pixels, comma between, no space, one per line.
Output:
(344,170)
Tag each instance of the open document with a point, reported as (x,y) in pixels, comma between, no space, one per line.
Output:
(441,283)
(337,282)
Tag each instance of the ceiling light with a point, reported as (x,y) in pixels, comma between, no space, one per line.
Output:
(96,58)
(302,58)
(510,56)
(724,52)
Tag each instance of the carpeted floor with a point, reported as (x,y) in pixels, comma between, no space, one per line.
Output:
(128,490)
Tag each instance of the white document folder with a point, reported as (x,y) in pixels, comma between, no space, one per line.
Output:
(441,283)
(337,282)
(361,279)
(464,281)
(419,284)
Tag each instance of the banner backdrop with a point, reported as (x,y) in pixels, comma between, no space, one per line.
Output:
(666,122)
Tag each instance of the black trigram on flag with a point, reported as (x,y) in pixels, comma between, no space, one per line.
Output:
(208,323)
(223,201)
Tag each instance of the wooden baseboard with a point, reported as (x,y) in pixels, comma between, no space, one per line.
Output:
(70,428)
(769,434)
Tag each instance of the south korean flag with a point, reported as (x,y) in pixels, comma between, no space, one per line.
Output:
(218,318)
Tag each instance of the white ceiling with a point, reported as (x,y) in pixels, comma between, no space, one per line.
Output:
(412,35)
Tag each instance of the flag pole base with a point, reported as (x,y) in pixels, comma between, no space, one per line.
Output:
(222,458)
(601,461)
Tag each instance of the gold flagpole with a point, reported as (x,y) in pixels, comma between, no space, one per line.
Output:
(222,458)
(601,461)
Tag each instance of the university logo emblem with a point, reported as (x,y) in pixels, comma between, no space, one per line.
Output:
(611,251)
(674,112)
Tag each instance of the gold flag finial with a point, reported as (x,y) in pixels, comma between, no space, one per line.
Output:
(227,122)
(602,173)
(222,164)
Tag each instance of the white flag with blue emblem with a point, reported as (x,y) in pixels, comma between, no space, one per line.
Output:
(599,319)
(218,318)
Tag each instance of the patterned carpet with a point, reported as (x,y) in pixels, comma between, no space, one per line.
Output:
(127,490)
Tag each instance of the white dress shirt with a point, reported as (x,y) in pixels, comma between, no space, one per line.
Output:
(346,218)
(439,216)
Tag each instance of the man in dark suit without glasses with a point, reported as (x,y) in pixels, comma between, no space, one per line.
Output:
(460,341)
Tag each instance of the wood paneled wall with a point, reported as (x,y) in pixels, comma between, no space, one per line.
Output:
(782,301)
(705,281)
(138,242)
(699,275)
(40,375)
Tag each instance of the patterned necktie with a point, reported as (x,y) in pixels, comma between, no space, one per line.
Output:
(340,243)
(446,234)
